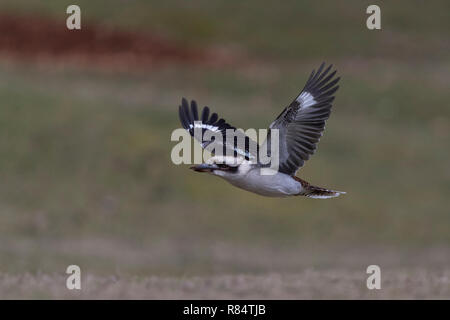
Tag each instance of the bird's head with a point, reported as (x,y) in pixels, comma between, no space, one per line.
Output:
(222,165)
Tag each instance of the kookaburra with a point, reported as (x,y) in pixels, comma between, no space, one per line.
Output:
(300,126)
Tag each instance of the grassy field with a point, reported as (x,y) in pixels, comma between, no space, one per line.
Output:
(87,177)
(306,284)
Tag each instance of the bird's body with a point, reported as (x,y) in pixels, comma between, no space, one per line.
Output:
(249,177)
(299,127)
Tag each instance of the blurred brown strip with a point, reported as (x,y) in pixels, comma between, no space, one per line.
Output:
(32,37)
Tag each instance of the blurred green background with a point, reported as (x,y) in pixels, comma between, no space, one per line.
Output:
(85,150)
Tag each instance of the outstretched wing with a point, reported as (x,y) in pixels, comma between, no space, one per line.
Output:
(301,124)
(239,145)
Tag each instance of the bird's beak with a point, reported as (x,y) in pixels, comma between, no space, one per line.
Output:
(204,167)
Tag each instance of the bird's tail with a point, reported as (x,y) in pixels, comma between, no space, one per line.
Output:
(314,192)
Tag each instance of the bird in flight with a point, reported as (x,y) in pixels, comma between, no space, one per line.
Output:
(300,126)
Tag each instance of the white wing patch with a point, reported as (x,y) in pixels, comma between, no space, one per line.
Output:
(333,195)
(199,124)
(306,100)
